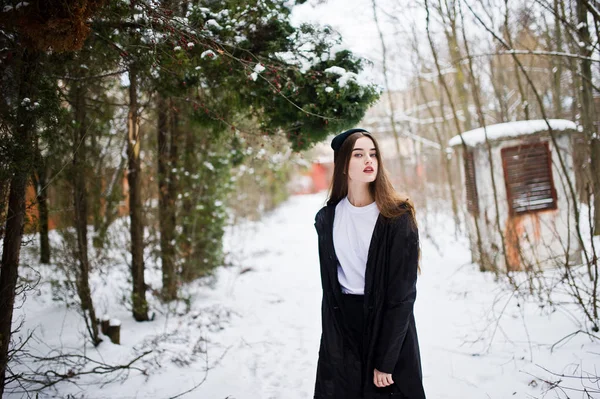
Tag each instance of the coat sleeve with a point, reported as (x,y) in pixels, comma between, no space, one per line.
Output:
(400,294)
(318,219)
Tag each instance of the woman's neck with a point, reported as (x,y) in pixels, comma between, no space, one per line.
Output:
(359,194)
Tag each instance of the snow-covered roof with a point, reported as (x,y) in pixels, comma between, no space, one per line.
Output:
(510,129)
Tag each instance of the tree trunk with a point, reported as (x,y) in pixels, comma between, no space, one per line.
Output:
(39,179)
(41,193)
(80,213)
(111,196)
(172,186)
(165,204)
(508,39)
(4,186)
(187,217)
(138,293)
(557,65)
(587,108)
(498,86)
(461,90)
(22,159)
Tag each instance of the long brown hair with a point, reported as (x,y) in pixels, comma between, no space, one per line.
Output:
(390,203)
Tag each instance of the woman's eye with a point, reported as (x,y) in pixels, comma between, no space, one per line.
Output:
(373,155)
(358,155)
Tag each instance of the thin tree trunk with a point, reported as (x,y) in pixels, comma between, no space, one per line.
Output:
(455,56)
(110,207)
(80,203)
(581,149)
(23,160)
(172,184)
(41,193)
(587,108)
(557,69)
(4,186)
(502,114)
(187,216)
(138,292)
(508,38)
(165,203)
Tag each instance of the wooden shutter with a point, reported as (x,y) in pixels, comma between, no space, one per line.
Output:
(528,178)
(472,198)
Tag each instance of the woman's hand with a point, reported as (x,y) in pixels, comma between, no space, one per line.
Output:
(382,379)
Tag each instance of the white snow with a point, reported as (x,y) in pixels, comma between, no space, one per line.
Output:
(114,322)
(214,24)
(510,129)
(208,53)
(345,76)
(252,331)
(258,68)
(223,13)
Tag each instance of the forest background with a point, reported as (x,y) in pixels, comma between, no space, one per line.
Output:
(187,116)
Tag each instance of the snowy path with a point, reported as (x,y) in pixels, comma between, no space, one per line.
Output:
(261,328)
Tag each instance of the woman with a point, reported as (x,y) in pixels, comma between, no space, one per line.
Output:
(369,255)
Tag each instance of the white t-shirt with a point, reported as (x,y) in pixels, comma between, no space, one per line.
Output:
(352,231)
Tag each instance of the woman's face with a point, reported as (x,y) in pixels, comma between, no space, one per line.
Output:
(363,161)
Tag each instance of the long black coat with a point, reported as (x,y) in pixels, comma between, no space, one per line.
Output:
(390,335)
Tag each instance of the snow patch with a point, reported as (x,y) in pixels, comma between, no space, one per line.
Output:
(213,23)
(208,53)
(345,76)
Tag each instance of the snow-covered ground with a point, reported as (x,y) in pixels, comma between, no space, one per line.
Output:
(252,331)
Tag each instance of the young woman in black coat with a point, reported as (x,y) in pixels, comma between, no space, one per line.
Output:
(369,258)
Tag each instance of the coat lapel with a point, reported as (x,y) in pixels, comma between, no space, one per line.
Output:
(332,269)
(374,248)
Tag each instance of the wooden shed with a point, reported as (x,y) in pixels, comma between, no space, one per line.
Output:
(529,223)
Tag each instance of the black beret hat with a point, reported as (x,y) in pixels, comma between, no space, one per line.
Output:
(338,140)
